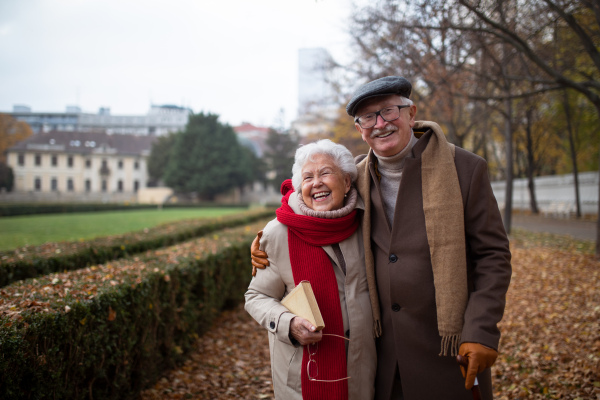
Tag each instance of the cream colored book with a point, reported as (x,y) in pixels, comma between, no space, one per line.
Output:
(302,302)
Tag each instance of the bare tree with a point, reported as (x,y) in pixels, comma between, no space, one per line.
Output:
(458,35)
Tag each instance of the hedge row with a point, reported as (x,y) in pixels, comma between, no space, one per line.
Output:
(60,338)
(32,261)
(13,210)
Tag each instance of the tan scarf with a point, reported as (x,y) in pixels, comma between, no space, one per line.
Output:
(444,223)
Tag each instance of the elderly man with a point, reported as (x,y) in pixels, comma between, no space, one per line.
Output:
(437,254)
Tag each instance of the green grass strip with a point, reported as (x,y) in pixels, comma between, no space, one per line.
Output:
(36,230)
(35,261)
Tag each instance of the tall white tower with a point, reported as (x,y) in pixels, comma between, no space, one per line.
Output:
(314,92)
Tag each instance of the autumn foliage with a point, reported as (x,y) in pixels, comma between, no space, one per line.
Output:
(550,346)
(144,326)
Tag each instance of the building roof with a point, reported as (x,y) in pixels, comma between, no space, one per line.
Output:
(86,143)
(247,127)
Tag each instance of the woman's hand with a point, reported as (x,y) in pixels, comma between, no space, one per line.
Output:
(304,332)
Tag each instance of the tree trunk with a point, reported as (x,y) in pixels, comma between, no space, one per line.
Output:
(597,104)
(509,165)
(573,152)
(531,165)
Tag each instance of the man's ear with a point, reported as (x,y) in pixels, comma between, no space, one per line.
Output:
(412,111)
(360,130)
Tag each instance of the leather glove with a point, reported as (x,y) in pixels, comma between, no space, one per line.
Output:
(259,258)
(480,357)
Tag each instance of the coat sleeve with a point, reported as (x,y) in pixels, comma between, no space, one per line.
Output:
(263,298)
(488,259)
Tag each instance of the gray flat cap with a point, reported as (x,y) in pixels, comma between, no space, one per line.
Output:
(379,87)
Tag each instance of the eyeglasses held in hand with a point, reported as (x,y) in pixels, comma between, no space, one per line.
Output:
(312,369)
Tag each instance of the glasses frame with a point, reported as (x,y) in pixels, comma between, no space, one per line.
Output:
(378,114)
(312,360)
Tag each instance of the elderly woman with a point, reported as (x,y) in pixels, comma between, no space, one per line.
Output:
(316,237)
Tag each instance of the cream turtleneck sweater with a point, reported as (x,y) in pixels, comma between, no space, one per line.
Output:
(390,169)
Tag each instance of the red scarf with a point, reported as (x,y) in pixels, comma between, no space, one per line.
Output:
(309,262)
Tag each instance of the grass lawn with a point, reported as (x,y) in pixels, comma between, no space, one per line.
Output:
(38,229)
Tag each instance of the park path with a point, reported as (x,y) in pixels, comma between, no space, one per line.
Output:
(579,229)
(231,361)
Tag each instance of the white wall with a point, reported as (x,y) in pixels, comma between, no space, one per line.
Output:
(548,189)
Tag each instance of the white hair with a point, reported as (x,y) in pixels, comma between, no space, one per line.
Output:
(406,101)
(340,155)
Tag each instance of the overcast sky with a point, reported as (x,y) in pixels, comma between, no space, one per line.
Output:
(235,58)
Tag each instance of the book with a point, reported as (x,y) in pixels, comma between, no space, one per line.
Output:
(302,302)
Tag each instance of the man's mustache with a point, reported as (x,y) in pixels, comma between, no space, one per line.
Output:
(384,131)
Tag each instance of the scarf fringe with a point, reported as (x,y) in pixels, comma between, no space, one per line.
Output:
(376,328)
(450,342)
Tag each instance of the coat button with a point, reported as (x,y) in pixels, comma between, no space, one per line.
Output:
(272,325)
(393,258)
(396,307)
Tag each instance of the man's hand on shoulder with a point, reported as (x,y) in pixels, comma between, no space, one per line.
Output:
(259,257)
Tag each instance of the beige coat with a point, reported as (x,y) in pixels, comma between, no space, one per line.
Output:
(272,284)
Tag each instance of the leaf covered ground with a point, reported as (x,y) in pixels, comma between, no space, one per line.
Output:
(550,347)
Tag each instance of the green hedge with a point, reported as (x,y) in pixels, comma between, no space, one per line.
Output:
(119,342)
(13,210)
(33,261)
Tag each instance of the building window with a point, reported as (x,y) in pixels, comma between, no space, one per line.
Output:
(104,185)
(70,161)
(104,164)
(54,161)
(120,186)
(54,184)
(88,185)
(88,163)
(136,165)
(21,159)
(38,160)
(70,186)
(37,184)
(120,164)
(136,186)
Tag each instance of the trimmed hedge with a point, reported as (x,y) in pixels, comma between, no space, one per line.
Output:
(13,210)
(140,322)
(33,261)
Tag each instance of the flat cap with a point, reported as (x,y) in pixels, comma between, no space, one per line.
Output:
(379,87)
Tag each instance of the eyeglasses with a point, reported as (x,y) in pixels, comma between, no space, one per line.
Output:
(312,369)
(388,114)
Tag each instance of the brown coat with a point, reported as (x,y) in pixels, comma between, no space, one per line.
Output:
(272,284)
(400,261)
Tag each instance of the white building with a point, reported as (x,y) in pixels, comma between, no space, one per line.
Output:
(159,120)
(317,107)
(80,166)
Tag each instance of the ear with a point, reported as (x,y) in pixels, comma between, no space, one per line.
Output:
(360,130)
(348,183)
(412,111)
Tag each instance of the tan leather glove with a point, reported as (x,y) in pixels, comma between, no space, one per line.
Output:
(480,357)
(259,258)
